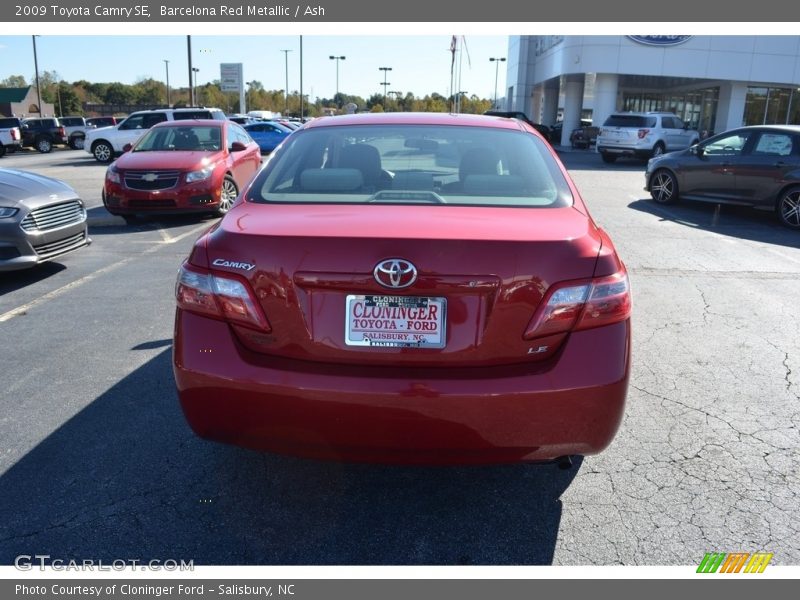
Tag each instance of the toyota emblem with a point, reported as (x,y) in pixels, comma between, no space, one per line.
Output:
(395,273)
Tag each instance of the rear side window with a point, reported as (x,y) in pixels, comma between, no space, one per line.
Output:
(185,115)
(774,144)
(637,121)
(413,164)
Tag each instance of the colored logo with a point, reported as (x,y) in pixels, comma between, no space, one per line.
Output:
(734,562)
(660,40)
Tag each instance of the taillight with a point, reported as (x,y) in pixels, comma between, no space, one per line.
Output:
(573,306)
(14,134)
(62,132)
(218,296)
(643,133)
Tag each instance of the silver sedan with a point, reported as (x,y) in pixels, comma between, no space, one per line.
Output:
(40,219)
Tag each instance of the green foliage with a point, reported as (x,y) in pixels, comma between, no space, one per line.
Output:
(148,91)
(14,81)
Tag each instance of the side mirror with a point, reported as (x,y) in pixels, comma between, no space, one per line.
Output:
(697,150)
(26,126)
(127,148)
(238,147)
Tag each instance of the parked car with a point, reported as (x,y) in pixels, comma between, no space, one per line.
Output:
(584,136)
(267,134)
(10,135)
(75,128)
(755,166)
(106,143)
(242,119)
(40,219)
(98,122)
(413,288)
(643,134)
(194,166)
(558,127)
(512,114)
(43,133)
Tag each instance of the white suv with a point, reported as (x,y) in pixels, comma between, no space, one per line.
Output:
(643,135)
(106,142)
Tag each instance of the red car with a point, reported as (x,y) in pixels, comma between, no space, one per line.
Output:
(182,167)
(410,288)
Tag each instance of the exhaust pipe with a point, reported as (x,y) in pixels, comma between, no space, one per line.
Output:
(564,462)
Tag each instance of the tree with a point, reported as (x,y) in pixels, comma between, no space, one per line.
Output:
(14,81)
(150,91)
(118,93)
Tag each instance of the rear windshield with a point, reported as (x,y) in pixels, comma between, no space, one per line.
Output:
(630,121)
(413,164)
(8,123)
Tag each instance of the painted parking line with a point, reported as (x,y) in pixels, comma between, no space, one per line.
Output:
(21,310)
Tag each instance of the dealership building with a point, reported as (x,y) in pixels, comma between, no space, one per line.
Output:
(714,83)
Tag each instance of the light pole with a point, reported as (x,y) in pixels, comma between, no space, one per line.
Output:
(166,64)
(36,66)
(337,59)
(189,53)
(246,93)
(195,99)
(385,83)
(395,94)
(496,62)
(286,95)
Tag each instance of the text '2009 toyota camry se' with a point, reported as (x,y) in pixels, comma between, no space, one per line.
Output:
(409,288)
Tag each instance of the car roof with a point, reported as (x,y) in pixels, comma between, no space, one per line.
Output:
(777,126)
(191,122)
(410,118)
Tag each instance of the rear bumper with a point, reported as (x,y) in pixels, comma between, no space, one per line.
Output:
(625,150)
(572,405)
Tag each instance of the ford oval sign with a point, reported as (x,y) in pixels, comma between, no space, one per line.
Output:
(660,40)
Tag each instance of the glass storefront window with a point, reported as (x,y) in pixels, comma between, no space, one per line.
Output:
(755,105)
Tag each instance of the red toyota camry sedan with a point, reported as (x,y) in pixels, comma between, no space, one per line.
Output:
(407,288)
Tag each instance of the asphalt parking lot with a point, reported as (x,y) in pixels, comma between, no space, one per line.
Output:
(97,462)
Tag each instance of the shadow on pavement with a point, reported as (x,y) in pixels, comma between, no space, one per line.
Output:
(11,281)
(126,478)
(734,221)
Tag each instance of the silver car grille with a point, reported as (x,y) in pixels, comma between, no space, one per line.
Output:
(54,216)
(151,180)
(60,246)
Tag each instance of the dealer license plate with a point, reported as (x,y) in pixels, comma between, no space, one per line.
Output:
(395,321)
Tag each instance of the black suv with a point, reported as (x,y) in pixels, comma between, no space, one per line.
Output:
(43,134)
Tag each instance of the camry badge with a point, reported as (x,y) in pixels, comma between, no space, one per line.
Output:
(395,273)
(221,262)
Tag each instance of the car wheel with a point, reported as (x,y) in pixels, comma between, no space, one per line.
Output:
(76,143)
(44,145)
(664,187)
(227,195)
(788,208)
(102,151)
(130,219)
(658,149)
(608,158)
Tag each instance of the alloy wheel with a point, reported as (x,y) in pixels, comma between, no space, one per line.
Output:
(790,209)
(662,187)
(228,195)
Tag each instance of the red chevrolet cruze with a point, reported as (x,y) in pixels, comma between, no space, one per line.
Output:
(182,167)
(411,288)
